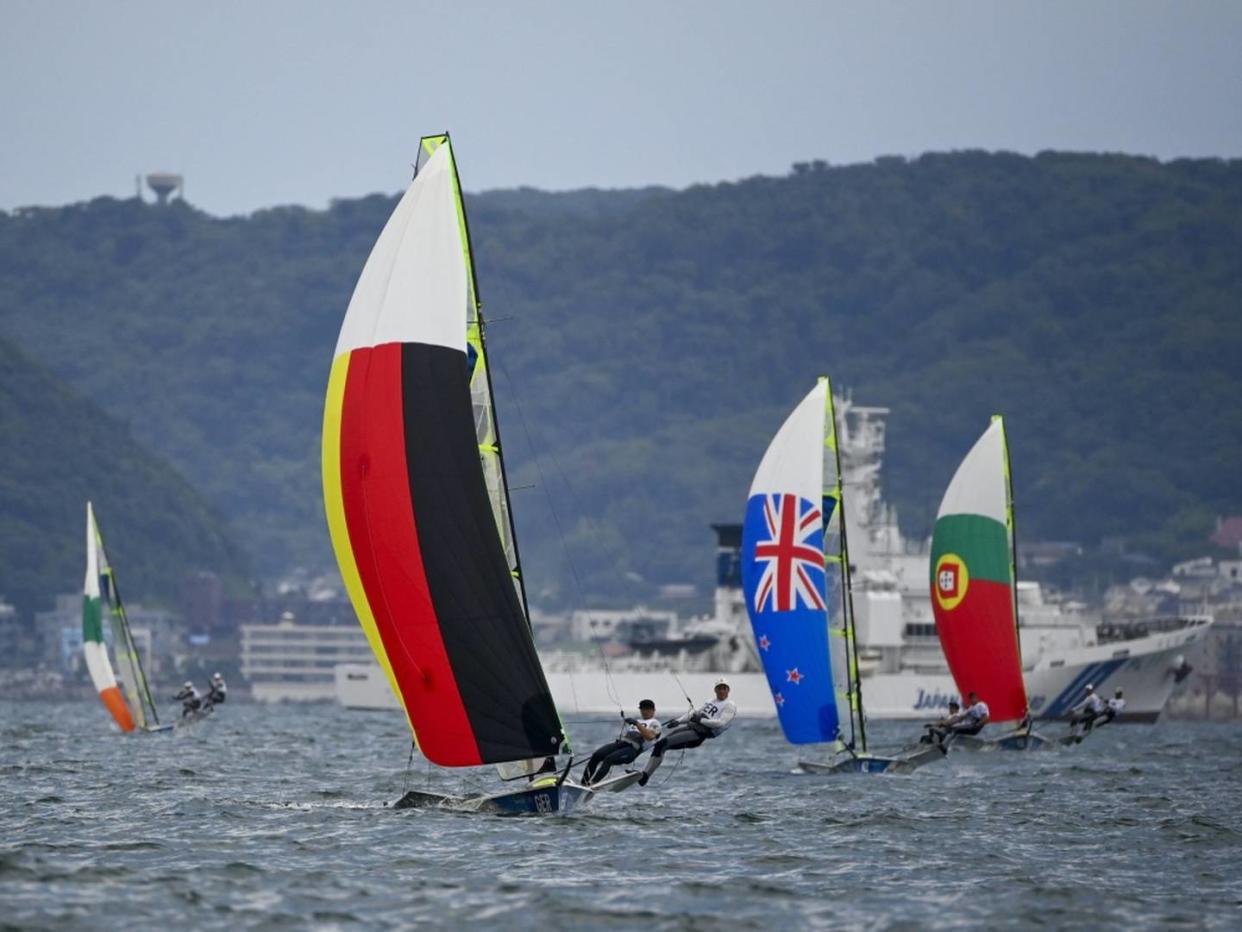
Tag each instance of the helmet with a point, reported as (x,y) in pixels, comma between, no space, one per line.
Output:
(188,685)
(216,676)
(723,682)
(1090,688)
(1118,692)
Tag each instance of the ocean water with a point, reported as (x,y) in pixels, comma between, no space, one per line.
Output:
(271,817)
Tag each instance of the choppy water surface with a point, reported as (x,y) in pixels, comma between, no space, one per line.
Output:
(275,817)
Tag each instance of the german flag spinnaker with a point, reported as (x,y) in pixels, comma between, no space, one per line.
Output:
(414,489)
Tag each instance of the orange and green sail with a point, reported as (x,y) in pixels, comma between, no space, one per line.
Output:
(973,579)
(129,700)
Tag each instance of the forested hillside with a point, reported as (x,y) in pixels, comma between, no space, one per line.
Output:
(648,343)
(60,450)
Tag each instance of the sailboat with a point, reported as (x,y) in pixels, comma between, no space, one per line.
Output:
(794,554)
(417,505)
(974,589)
(129,701)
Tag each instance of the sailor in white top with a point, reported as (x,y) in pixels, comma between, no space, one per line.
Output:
(693,728)
(1114,707)
(638,735)
(971,719)
(1087,711)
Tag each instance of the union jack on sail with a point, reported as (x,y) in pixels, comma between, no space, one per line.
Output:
(791,555)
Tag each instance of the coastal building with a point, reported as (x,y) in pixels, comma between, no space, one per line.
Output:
(292,662)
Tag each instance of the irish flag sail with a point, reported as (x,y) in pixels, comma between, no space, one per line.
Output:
(130,700)
(414,489)
(972,578)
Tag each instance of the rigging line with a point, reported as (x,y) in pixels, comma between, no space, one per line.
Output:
(405,787)
(689,701)
(609,685)
(675,766)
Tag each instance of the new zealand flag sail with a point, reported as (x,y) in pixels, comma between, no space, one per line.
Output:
(783,575)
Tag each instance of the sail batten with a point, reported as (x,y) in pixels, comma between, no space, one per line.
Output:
(972,579)
(414,491)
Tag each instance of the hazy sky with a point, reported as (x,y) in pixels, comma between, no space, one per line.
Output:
(265,102)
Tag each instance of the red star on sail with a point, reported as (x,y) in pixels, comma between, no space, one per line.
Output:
(778,699)
(793,676)
(764,643)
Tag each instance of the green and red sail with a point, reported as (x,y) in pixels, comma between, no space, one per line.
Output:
(972,579)
(414,490)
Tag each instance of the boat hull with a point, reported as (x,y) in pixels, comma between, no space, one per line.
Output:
(549,800)
(1032,741)
(904,763)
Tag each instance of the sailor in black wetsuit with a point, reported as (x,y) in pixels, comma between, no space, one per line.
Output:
(637,735)
(189,698)
(217,691)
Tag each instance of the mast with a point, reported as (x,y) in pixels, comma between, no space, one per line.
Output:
(120,624)
(118,613)
(858,727)
(478,331)
(1011,521)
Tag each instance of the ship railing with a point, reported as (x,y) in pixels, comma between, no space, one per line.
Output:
(1113,631)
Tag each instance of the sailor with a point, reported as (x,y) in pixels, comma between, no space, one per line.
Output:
(938,729)
(969,721)
(636,736)
(693,728)
(189,699)
(1114,707)
(974,717)
(217,690)
(1086,712)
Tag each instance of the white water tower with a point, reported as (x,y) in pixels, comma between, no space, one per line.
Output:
(165,184)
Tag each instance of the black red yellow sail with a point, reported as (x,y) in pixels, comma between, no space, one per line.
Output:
(414,493)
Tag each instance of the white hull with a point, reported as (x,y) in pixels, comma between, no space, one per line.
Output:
(1144,668)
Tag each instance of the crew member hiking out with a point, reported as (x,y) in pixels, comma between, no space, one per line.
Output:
(693,728)
(968,721)
(1114,707)
(637,736)
(189,699)
(217,691)
(1086,712)
(939,728)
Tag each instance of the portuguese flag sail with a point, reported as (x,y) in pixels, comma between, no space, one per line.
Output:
(414,489)
(973,578)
